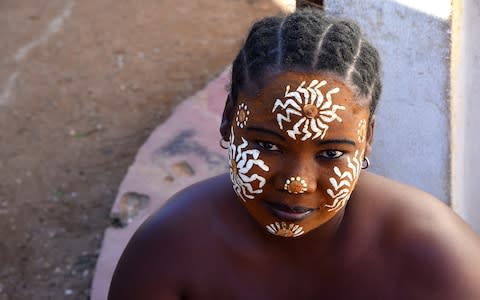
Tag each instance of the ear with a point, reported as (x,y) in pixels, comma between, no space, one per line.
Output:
(370,130)
(227,119)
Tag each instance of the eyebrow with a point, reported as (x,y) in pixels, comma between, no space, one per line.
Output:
(267,131)
(339,141)
(325,142)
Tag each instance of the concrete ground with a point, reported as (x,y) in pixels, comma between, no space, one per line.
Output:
(82,86)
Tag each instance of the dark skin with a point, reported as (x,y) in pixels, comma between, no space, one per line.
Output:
(391,241)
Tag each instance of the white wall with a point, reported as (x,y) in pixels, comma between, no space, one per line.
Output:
(466,111)
(412,130)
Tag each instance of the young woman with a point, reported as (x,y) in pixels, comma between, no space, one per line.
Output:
(297,217)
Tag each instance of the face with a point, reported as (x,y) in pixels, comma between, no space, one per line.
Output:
(296,150)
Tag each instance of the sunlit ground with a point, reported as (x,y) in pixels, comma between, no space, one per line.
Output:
(286,5)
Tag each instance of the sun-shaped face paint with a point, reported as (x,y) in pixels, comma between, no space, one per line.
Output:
(241,117)
(284,230)
(246,183)
(315,109)
(295,168)
(295,185)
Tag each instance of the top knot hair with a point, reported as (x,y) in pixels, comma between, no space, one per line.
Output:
(308,41)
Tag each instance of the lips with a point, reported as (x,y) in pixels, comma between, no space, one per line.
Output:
(289,213)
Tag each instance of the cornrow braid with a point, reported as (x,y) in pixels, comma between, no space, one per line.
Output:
(308,41)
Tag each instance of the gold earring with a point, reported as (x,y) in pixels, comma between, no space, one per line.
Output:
(295,185)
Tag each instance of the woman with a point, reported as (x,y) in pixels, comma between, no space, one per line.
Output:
(296,217)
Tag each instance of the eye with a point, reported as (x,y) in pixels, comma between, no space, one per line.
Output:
(331,154)
(268,146)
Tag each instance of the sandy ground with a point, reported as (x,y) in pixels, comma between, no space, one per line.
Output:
(82,85)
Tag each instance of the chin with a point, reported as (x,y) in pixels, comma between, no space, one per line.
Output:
(287,223)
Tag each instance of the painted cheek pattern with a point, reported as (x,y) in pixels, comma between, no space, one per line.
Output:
(315,110)
(282,229)
(362,131)
(242,115)
(241,162)
(344,183)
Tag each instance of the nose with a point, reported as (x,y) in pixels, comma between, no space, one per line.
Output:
(299,178)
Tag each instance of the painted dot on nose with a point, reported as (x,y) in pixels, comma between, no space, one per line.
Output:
(295,185)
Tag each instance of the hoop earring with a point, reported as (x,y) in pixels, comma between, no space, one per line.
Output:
(222,145)
(365,163)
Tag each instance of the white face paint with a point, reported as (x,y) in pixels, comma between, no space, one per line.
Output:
(282,229)
(295,185)
(362,131)
(242,115)
(241,162)
(314,109)
(344,183)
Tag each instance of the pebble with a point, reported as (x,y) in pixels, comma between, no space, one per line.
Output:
(130,204)
(183,168)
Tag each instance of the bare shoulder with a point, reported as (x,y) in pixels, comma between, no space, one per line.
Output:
(436,252)
(171,244)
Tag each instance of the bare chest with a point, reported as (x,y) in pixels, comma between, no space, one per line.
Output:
(246,280)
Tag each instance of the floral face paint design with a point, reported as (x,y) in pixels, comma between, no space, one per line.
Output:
(314,109)
(312,169)
(241,117)
(362,131)
(282,229)
(241,162)
(344,183)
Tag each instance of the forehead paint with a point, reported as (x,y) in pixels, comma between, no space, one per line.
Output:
(241,162)
(242,115)
(315,110)
(282,229)
(344,183)
(362,131)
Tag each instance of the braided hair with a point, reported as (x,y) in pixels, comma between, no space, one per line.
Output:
(308,41)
